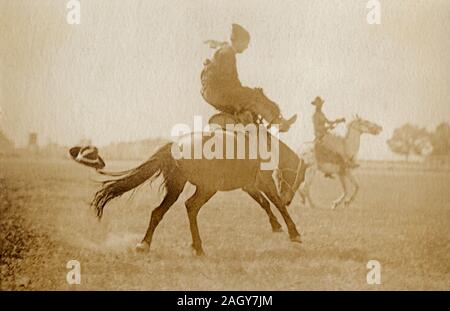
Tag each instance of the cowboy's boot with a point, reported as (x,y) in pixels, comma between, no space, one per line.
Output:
(284,124)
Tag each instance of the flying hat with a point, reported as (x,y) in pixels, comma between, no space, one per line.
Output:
(239,33)
(87,155)
(317,101)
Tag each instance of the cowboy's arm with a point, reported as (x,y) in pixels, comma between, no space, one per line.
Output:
(332,123)
(339,120)
(328,123)
(214,44)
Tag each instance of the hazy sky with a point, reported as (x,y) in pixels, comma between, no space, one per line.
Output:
(131,69)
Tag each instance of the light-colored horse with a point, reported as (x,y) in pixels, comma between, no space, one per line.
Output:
(351,141)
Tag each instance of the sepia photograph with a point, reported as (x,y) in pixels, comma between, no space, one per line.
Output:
(229,145)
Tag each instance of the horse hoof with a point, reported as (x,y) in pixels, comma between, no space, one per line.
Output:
(142,247)
(296,239)
(277,230)
(198,251)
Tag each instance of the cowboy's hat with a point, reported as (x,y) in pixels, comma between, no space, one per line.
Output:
(87,155)
(317,101)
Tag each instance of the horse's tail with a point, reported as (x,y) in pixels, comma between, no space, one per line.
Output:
(161,162)
(114,174)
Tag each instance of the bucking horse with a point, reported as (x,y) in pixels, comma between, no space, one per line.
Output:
(209,176)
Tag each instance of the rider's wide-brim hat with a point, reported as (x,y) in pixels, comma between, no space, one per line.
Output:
(88,156)
(317,101)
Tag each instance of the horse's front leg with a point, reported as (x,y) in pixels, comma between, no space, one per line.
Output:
(355,184)
(309,178)
(302,195)
(344,194)
(262,201)
(267,186)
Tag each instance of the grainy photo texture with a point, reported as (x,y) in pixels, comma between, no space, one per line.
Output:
(224,145)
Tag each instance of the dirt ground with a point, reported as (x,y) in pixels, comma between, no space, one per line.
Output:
(401,219)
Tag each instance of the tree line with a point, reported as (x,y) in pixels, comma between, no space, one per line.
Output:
(411,140)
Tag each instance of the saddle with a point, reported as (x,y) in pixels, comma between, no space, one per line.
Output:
(325,153)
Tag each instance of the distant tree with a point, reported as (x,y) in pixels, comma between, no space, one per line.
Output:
(410,140)
(440,140)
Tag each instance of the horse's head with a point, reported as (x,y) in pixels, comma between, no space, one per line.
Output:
(365,126)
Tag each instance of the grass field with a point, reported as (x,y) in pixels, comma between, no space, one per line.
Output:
(401,219)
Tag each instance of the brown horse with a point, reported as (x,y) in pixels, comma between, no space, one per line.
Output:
(209,176)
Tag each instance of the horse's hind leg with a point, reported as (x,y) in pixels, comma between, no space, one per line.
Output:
(344,194)
(353,181)
(302,195)
(267,185)
(193,205)
(262,201)
(174,189)
(309,178)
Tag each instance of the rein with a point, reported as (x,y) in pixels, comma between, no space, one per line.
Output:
(283,180)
